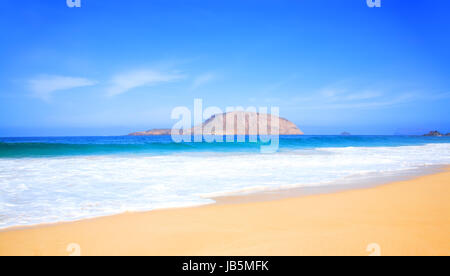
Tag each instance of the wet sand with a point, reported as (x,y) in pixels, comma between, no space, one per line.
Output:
(410,217)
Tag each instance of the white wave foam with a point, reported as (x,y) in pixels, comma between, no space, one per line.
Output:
(44,190)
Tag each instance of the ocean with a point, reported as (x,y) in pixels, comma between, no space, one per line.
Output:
(56,179)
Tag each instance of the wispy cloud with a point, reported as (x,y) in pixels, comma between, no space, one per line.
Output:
(347,95)
(45,85)
(363,95)
(203,79)
(125,82)
(366,104)
(338,93)
(438,96)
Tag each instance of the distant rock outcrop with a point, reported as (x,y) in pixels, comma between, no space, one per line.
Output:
(153,132)
(436,134)
(245,123)
(345,133)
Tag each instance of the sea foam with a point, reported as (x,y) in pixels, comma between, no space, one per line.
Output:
(54,189)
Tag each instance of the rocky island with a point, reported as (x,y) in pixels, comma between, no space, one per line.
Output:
(152,132)
(245,123)
(436,134)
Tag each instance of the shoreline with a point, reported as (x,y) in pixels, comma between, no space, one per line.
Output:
(274,194)
(59,193)
(349,184)
(409,217)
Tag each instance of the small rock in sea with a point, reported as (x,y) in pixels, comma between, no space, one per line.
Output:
(434,134)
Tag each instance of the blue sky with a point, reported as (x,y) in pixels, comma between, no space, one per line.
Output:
(113,67)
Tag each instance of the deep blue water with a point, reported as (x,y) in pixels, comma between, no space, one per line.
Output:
(161,145)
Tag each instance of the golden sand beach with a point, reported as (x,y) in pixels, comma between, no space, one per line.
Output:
(402,218)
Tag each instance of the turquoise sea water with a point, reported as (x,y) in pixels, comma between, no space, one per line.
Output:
(160,145)
(45,180)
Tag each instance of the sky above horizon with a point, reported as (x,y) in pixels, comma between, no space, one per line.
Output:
(114,67)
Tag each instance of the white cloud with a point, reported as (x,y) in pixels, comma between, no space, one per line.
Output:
(203,79)
(127,81)
(400,99)
(346,95)
(365,95)
(45,85)
(341,94)
(439,96)
(331,93)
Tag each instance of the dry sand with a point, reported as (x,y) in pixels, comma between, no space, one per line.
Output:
(403,218)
